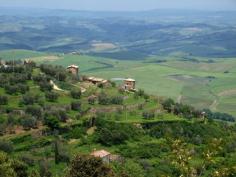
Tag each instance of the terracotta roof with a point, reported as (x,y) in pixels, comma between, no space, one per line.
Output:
(101,153)
(130,80)
(73,66)
(95,79)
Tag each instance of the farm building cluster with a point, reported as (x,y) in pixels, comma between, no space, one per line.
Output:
(128,84)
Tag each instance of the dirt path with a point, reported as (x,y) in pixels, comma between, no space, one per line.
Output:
(214,105)
(55,87)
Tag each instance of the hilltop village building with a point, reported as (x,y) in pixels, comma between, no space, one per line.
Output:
(129,84)
(74,69)
(27,62)
(96,80)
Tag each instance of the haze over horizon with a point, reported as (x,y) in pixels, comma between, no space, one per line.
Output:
(123,5)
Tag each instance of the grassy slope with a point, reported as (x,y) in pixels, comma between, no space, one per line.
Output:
(181,80)
(29,144)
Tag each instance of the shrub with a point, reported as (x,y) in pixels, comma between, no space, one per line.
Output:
(41,78)
(146,97)
(2,129)
(76,106)
(189,132)
(140,106)
(11,89)
(92,100)
(61,76)
(18,78)
(76,133)
(45,86)
(28,122)
(121,90)
(3,80)
(103,99)
(44,169)
(148,115)
(112,133)
(62,115)
(22,88)
(58,72)
(52,122)
(78,116)
(100,85)
(12,167)
(3,100)
(88,166)
(51,96)
(219,116)
(140,92)
(76,94)
(117,100)
(113,84)
(34,111)
(6,146)
(29,99)
(11,119)
(130,168)
(28,159)
(168,104)
(64,157)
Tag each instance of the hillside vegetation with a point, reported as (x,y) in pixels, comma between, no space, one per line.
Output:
(174,76)
(46,131)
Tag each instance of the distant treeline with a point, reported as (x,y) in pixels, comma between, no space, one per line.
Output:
(190,112)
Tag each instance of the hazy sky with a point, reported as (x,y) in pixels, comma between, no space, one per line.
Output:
(125,5)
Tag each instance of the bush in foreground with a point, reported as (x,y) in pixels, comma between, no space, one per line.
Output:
(11,167)
(88,166)
(6,146)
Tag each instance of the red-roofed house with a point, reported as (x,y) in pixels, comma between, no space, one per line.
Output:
(129,84)
(104,155)
(74,69)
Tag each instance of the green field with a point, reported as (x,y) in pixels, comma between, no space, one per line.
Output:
(200,82)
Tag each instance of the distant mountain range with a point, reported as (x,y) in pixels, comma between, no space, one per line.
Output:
(120,35)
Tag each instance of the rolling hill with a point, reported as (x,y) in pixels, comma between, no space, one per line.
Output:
(123,36)
(44,127)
